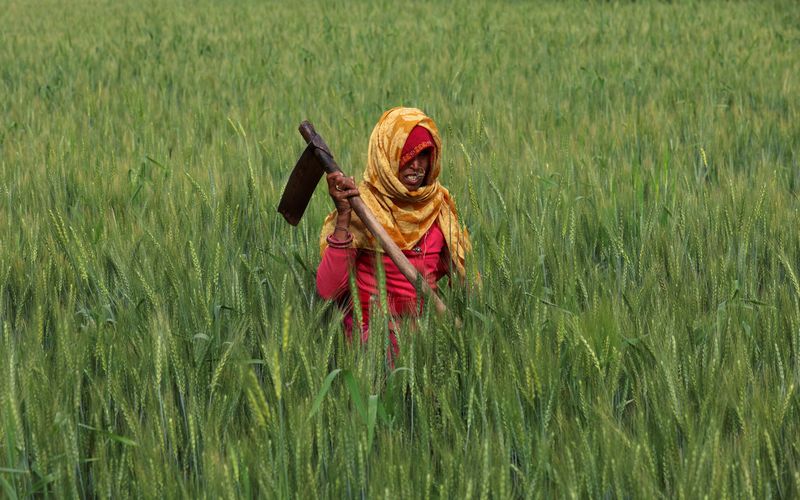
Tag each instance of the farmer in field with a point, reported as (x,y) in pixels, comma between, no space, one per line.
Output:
(401,188)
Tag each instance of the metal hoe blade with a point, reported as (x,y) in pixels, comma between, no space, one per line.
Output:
(302,183)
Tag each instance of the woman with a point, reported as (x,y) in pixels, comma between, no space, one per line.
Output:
(400,187)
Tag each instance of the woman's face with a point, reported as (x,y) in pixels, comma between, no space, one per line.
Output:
(413,174)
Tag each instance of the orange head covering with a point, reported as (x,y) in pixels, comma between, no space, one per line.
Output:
(406,215)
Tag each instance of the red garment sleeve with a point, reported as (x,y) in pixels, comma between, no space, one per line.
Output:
(332,272)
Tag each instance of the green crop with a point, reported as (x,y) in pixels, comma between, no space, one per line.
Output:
(629,174)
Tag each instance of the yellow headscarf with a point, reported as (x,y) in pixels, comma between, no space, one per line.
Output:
(406,215)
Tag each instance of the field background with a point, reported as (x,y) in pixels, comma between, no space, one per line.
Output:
(629,174)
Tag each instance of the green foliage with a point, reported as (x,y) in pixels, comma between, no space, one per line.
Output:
(629,174)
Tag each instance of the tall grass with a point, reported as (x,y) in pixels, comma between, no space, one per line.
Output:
(629,174)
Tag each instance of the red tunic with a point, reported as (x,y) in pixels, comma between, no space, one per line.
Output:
(430,256)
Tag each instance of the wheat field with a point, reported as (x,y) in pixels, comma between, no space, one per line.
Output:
(629,174)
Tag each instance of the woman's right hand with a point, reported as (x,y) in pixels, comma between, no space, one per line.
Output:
(341,189)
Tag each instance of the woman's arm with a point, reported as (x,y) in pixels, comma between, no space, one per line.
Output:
(333,272)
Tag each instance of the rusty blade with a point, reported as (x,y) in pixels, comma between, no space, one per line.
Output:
(302,182)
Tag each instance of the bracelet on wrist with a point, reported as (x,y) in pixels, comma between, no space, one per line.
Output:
(336,243)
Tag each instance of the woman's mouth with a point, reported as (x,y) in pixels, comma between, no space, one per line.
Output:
(415,178)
